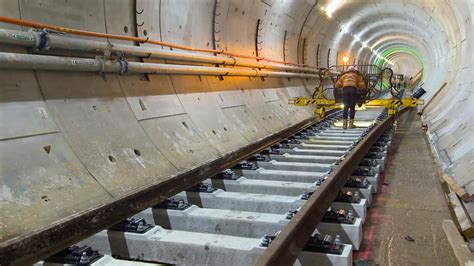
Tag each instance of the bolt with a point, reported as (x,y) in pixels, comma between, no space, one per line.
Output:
(181,204)
(356,196)
(209,187)
(265,241)
(84,258)
(327,238)
(337,242)
(350,215)
(141,226)
(366,183)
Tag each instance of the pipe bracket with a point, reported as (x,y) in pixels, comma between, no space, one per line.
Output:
(101,61)
(123,66)
(43,40)
(233,59)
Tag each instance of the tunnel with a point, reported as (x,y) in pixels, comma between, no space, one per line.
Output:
(111,107)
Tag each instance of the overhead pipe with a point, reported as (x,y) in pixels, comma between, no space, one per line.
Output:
(57,63)
(43,40)
(37,25)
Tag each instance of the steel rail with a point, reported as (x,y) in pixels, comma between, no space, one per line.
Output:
(286,247)
(39,244)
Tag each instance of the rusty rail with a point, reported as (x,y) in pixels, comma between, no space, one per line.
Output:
(286,247)
(39,244)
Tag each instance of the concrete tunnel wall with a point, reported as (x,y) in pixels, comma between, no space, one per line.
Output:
(441,33)
(75,140)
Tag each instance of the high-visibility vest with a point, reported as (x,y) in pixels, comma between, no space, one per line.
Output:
(350,79)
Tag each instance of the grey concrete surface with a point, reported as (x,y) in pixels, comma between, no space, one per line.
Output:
(189,248)
(295,176)
(277,204)
(241,223)
(411,204)
(286,157)
(106,260)
(285,188)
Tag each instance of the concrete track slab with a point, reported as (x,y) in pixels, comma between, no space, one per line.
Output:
(220,199)
(241,223)
(191,248)
(285,188)
(306,151)
(286,157)
(294,166)
(294,176)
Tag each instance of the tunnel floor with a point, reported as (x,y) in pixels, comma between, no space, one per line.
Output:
(411,203)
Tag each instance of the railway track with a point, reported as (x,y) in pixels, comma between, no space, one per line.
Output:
(232,218)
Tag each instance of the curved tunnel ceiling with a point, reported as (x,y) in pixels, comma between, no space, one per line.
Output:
(376,32)
(435,36)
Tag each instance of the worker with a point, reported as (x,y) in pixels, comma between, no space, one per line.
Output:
(350,81)
(397,83)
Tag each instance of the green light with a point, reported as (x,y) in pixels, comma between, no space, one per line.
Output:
(401,49)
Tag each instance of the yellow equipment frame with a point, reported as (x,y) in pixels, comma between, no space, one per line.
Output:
(322,104)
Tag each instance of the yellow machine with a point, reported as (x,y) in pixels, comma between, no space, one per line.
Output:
(322,104)
(369,100)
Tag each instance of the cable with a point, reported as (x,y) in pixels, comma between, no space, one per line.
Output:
(38,25)
(323,74)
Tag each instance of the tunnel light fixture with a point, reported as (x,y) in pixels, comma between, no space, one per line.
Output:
(364,44)
(331,7)
(345,59)
(345,28)
(357,37)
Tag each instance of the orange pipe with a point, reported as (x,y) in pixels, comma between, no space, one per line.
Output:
(38,25)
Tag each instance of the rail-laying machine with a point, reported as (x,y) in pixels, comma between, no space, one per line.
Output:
(379,92)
